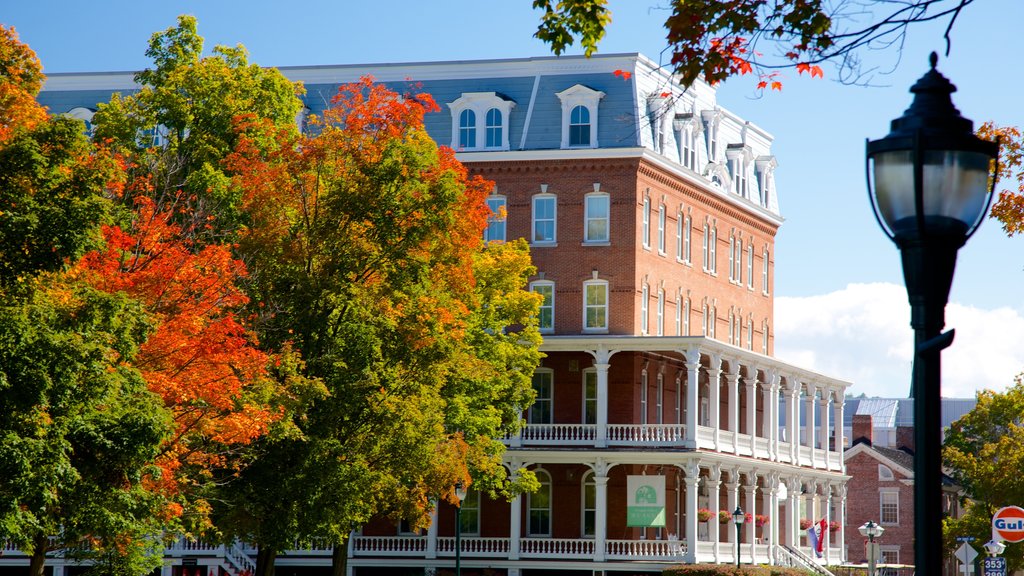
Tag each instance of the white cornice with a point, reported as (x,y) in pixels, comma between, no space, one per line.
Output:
(113,81)
(628,343)
(864,448)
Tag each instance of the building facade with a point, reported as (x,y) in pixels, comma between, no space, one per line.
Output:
(651,213)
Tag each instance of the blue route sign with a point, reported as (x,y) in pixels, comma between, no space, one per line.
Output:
(993,566)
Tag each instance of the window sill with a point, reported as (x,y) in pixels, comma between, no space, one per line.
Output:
(543,244)
(595,330)
(596,243)
(662,253)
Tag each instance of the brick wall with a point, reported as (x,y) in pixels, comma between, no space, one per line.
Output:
(863,504)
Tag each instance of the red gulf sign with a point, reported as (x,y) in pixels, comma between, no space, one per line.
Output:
(1008,524)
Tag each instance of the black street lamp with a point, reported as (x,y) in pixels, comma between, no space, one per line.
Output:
(871,530)
(737,518)
(460,493)
(932,186)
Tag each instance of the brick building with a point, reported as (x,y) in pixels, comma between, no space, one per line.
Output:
(651,213)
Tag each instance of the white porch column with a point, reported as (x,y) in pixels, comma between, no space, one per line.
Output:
(733,499)
(734,406)
(692,470)
(714,480)
(793,419)
(823,428)
(770,509)
(809,426)
(692,399)
(714,396)
(751,508)
(602,357)
(751,381)
(838,407)
(827,532)
(793,524)
(601,513)
(515,526)
(432,534)
(773,415)
(841,511)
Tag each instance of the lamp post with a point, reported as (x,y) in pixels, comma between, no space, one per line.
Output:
(460,493)
(737,518)
(870,530)
(994,547)
(932,187)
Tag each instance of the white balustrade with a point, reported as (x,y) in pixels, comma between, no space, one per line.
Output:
(646,434)
(581,434)
(389,546)
(556,548)
(475,547)
(645,549)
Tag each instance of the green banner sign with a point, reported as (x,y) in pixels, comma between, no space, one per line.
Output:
(645,501)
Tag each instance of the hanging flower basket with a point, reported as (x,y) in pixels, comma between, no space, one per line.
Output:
(724,516)
(760,520)
(833,526)
(704,514)
(805,523)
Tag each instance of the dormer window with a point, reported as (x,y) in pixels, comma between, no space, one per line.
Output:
(480,113)
(579,116)
(739,164)
(686,138)
(711,118)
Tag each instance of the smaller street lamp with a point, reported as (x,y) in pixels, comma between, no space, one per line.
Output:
(870,530)
(460,493)
(994,547)
(737,518)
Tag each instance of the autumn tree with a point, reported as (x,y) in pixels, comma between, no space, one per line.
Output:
(715,39)
(78,428)
(984,453)
(1009,206)
(172,251)
(365,245)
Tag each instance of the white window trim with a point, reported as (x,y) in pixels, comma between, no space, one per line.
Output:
(548,283)
(661,229)
(687,238)
(679,315)
(881,496)
(885,473)
(661,313)
(750,265)
(659,399)
(607,306)
(587,219)
(764,271)
(645,223)
(533,220)
(645,294)
(587,372)
(480,103)
(643,396)
(495,218)
(579,95)
(587,480)
(686,317)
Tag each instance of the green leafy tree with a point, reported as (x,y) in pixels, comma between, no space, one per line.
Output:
(984,453)
(79,430)
(716,39)
(366,242)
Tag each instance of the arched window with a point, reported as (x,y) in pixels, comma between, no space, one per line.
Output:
(579,126)
(588,491)
(493,128)
(644,296)
(495,231)
(467,129)
(538,506)
(661,313)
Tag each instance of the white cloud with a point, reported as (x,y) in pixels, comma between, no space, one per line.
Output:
(862,334)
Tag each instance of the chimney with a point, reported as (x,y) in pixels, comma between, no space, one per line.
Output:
(862,429)
(905,438)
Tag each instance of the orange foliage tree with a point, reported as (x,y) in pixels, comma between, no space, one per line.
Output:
(365,240)
(1009,207)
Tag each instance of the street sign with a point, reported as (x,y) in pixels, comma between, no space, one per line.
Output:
(1008,524)
(994,566)
(965,538)
(966,553)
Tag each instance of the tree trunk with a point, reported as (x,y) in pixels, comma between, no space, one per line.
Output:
(37,565)
(265,561)
(339,558)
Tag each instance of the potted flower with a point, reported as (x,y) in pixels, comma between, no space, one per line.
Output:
(760,520)
(805,523)
(833,526)
(724,516)
(704,514)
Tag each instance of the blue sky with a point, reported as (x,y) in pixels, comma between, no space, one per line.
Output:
(839,301)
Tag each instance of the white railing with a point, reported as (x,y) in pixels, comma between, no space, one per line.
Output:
(583,434)
(762,448)
(476,547)
(646,434)
(645,549)
(706,438)
(185,545)
(389,546)
(784,448)
(556,548)
(239,559)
